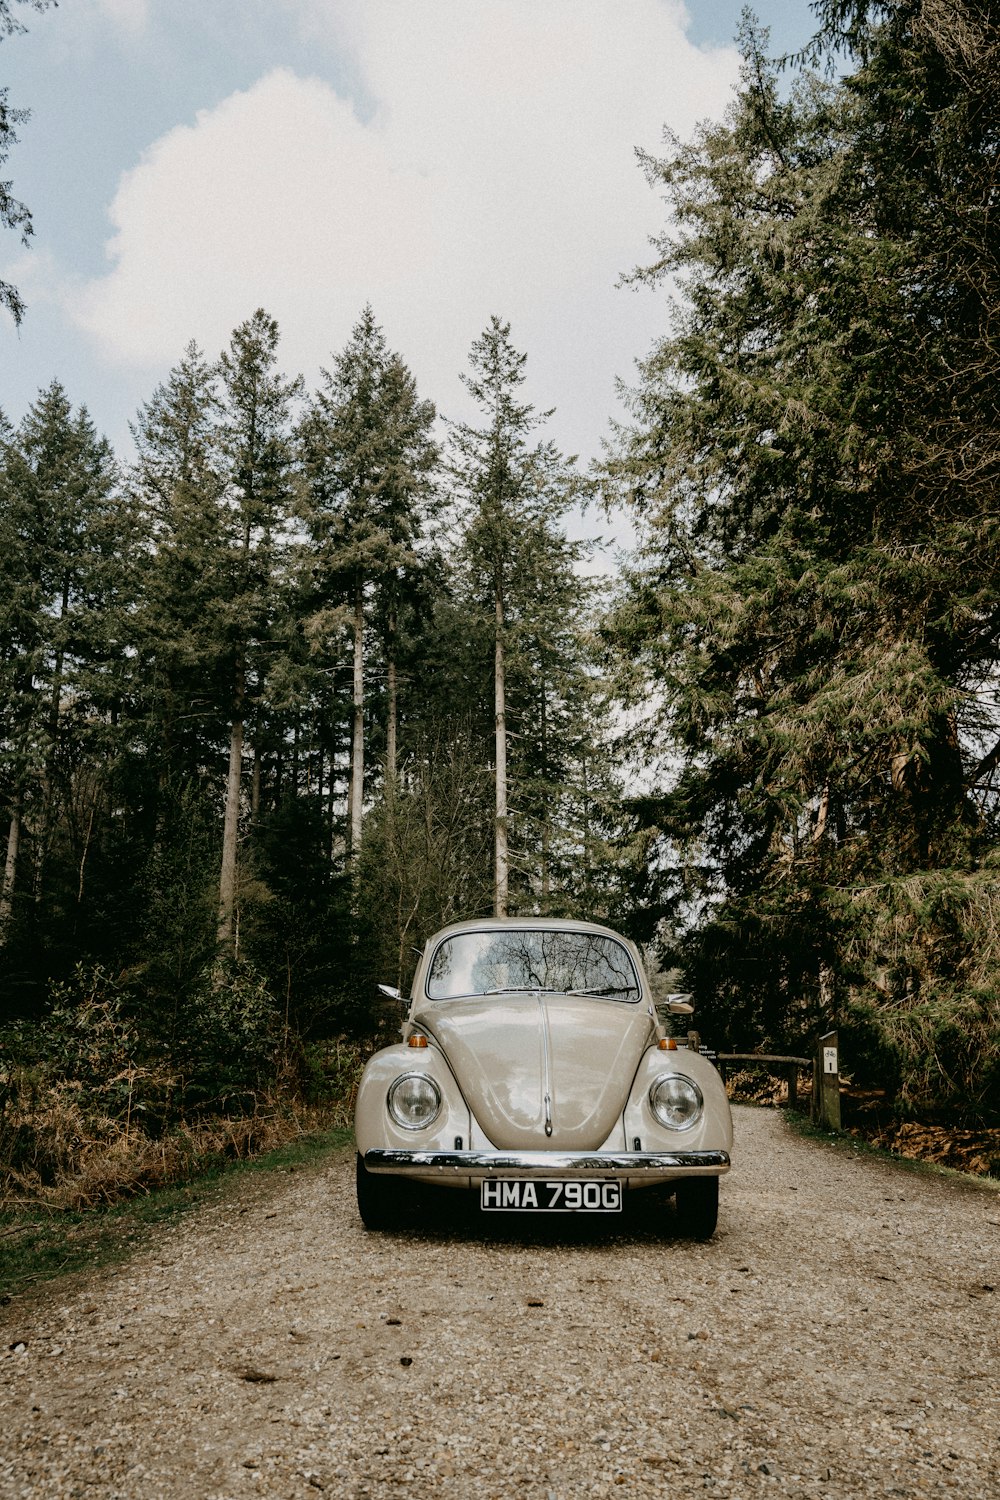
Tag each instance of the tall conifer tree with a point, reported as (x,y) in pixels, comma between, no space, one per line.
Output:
(367,455)
(515,494)
(182,621)
(255,439)
(67,538)
(813,452)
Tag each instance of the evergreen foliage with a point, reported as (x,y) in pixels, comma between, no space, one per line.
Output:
(522,604)
(13,213)
(200,656)
(367,454)
(813,457)
(296,687)
(67,583)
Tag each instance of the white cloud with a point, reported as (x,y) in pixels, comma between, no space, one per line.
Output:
(37,276)
(497,174)
(278,196)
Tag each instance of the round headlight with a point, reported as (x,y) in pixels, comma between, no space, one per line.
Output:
(676,1101)
(414,1101)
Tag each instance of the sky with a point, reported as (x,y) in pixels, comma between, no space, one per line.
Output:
(188,161)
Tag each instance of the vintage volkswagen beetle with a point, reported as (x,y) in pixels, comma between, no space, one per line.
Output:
(534,1069)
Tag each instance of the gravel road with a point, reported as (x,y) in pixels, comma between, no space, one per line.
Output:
(838,1337)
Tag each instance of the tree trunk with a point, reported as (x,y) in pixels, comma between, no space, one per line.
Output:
(57,674)
(48,785)
(10,871)
(827,993)
(546,824)
(255,787)
(356,794)
(231,827)
(390,727)
(500,862)
(586,824)
(85,851)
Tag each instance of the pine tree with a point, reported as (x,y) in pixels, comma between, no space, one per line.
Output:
(367,456)
(255,439)
(182,624)
(68,535)
(13,214)
(815,596)
(516,558)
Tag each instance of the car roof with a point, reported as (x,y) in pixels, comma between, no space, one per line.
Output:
(545,924)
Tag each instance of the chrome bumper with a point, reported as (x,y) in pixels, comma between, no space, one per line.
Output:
(649,1165)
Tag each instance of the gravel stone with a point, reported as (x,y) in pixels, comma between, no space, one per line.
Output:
(837,1338)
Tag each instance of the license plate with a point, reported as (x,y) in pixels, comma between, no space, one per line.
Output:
(520,1195)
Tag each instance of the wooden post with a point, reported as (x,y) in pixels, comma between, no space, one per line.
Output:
(826,1082)
(792,1075)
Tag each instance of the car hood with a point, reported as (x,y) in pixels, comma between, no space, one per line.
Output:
(509,1052)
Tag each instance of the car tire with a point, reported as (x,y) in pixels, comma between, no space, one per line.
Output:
(382,1200)
(697,1201)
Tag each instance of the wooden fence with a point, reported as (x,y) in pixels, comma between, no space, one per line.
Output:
(825,1065)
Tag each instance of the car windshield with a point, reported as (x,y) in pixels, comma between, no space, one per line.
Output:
(512,959)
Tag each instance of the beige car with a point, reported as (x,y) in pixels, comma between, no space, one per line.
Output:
(534,1070)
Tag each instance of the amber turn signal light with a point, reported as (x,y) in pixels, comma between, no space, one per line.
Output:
(667,1044)
(417,1040)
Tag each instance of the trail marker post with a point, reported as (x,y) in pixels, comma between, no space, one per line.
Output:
(826,1081)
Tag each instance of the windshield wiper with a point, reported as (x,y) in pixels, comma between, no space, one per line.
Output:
(524,989)
(550,989)
(607,989)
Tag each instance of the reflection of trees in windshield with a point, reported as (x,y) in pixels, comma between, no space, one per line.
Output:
(444,960)
(476,963)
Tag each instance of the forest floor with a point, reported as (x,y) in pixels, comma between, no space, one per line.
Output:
(837,1338)
(867,1114)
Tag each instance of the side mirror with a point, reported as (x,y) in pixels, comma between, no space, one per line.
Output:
(390,992)
(680,1005)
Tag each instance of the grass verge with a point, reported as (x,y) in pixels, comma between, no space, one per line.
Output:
(854,1145)
(38,1244)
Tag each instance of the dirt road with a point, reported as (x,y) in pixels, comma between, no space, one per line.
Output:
(837,1338)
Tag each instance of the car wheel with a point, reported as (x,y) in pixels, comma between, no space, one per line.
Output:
(382,1200)
(698,1206)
